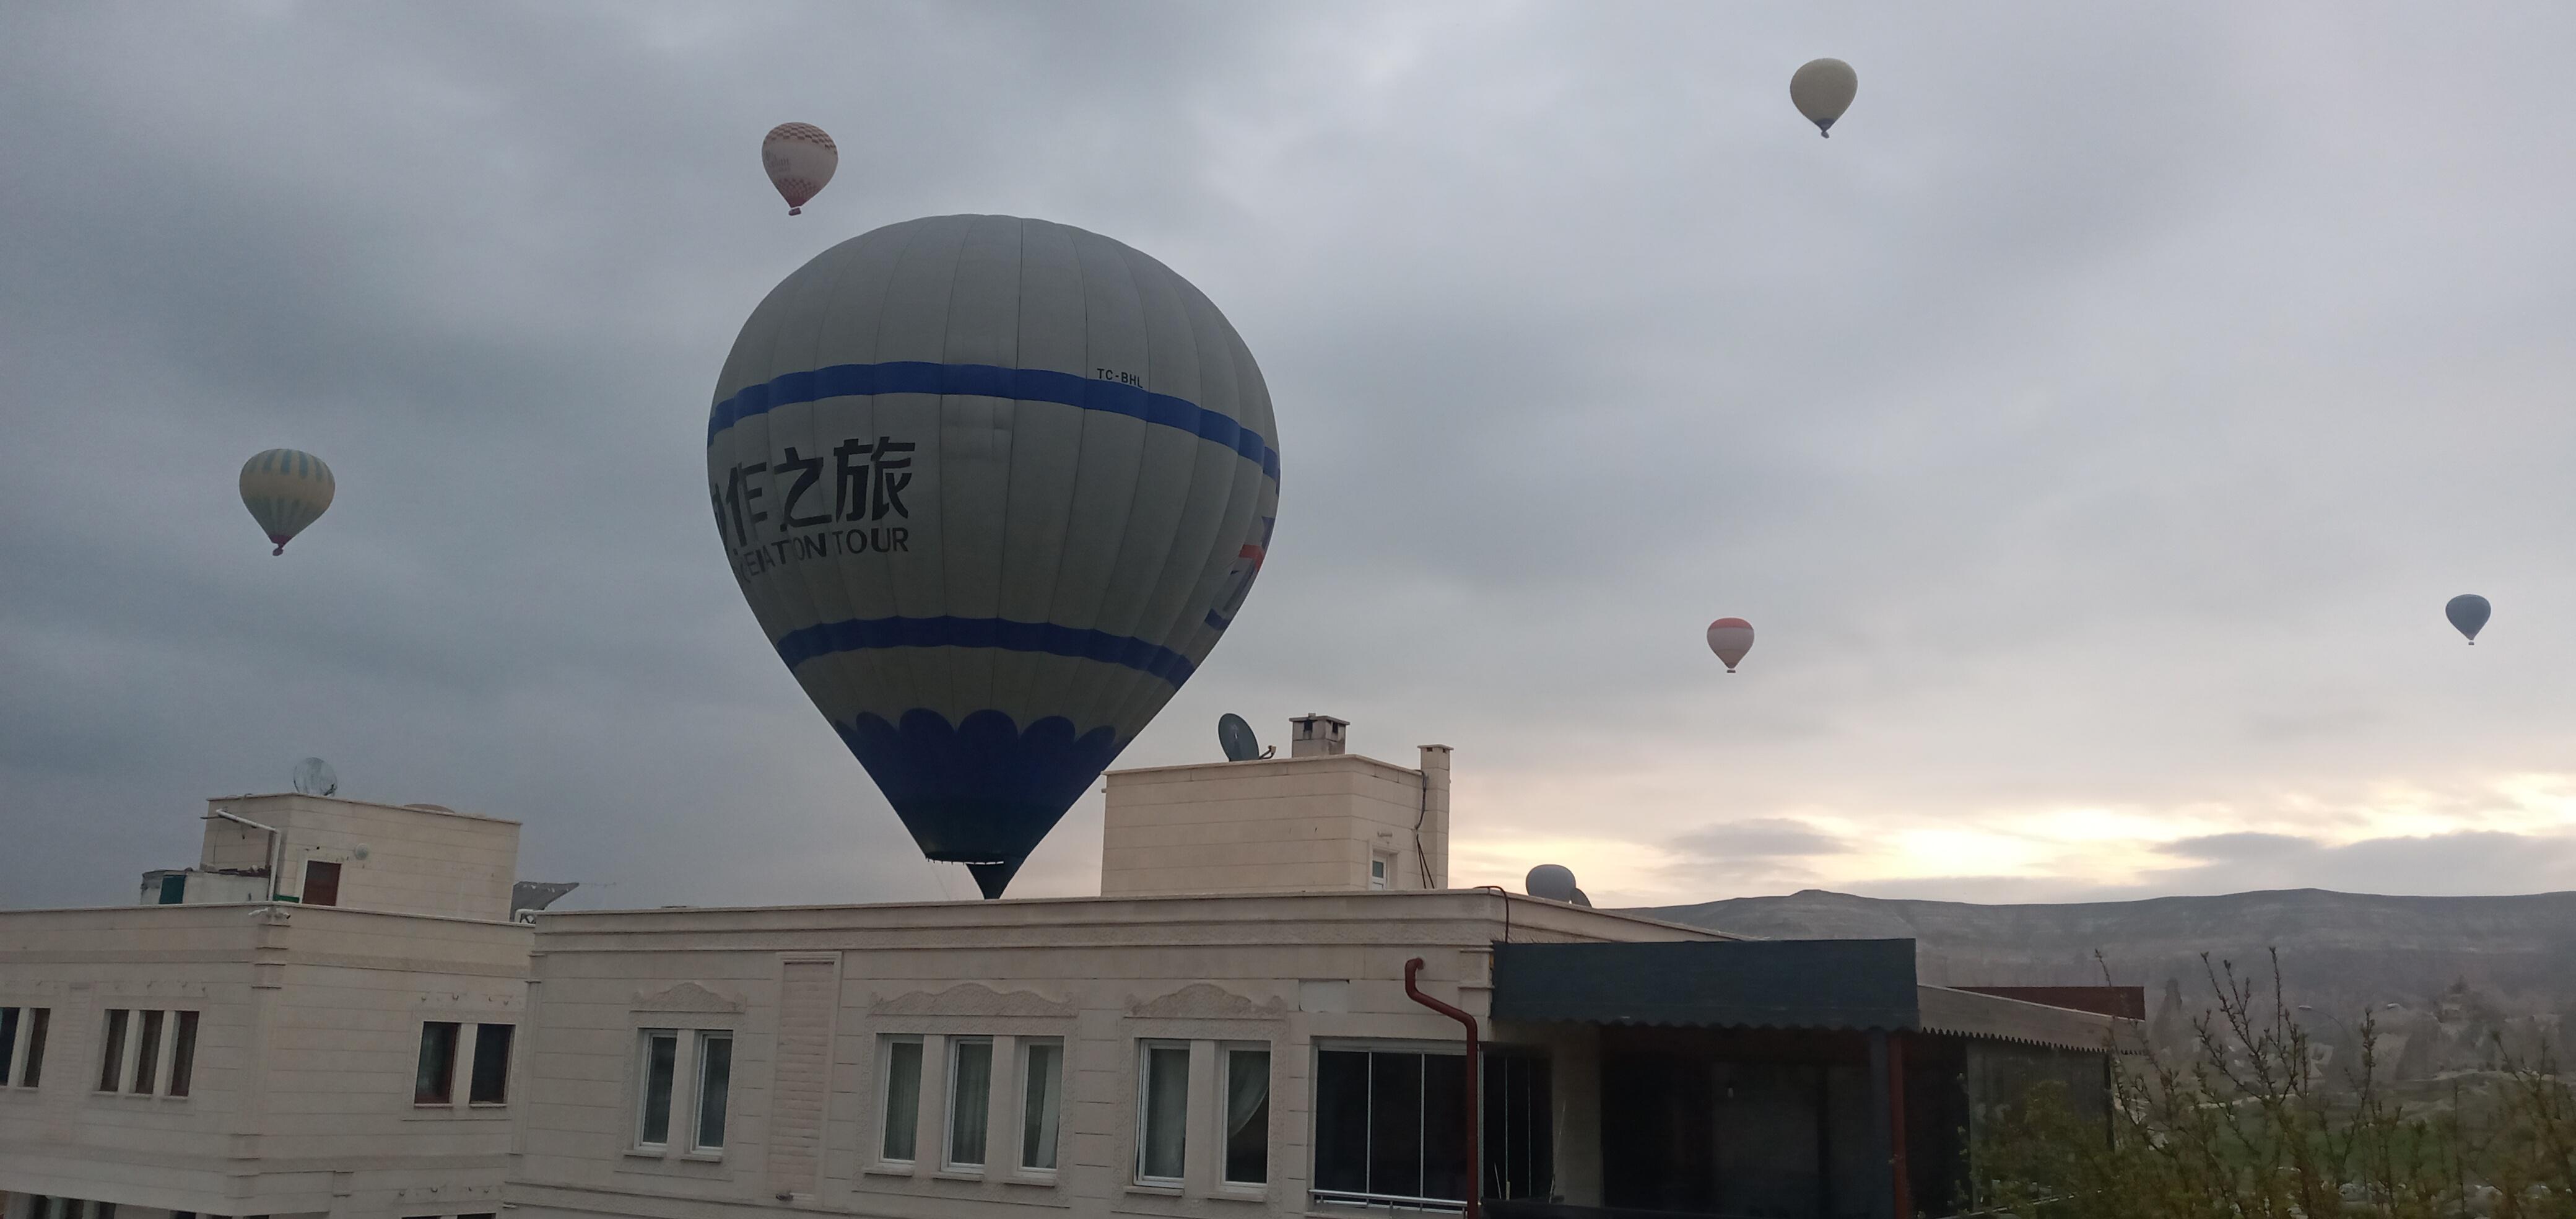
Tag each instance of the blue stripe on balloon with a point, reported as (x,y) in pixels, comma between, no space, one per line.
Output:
(993,381)
(858,635)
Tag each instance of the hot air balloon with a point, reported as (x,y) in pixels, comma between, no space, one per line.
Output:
(1730,638)
(994,488)
(1822,89)
(2468,612)
(800,160)
(286,491)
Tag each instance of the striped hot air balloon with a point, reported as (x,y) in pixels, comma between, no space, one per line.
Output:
(285,490)
(799,159)
(994,488)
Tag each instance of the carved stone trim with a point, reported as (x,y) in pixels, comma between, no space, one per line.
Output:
(972,999)
(686,997)
(1206,1001)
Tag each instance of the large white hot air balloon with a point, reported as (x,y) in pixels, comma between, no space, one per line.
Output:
(1730,638)
(800,160)
(993,487)
(1822,89)
(285,490)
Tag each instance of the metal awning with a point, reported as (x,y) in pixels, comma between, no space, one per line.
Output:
(1805,984)
(1854,985)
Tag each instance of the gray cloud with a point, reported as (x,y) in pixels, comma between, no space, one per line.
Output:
(2100,418)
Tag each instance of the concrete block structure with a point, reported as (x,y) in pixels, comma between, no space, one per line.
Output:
(225,1054)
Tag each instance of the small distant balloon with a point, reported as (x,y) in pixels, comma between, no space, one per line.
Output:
(285,490)
(800,160)
(1822,89)
(1730,638)
(2468,612)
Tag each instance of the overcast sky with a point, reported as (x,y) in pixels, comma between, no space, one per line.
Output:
(2093,428)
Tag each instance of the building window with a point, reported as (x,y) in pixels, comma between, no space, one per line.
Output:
(321,883)
(490,1084)
(1041,1101)
(1520,1127)
(147,1054)
(900,1116)
(661,1059)
(183,1055)
(435,1082)
(1247,1116)
(715,1087)
(111,1049)
(1388,1125)
(174,889)
(1163,1112)
(9,1019)
(970,1099)
(1379,866)
(31,1068)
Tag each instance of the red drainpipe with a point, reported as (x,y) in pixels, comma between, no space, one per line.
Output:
(1475,1184)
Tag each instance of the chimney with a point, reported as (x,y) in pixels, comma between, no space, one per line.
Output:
(1312,735)
(1435,814)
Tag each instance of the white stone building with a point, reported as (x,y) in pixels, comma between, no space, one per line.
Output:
(343,1045)
(1277,1008)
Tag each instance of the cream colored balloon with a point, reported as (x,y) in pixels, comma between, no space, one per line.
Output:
(799,159)
(1822,89)
(286,491)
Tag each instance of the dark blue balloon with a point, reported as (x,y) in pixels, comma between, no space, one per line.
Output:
(2468,612)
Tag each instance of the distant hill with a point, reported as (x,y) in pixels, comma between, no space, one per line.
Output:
(2460,965)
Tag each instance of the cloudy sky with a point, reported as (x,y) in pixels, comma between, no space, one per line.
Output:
(2093,428)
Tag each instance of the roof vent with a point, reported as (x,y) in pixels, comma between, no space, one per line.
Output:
(1313,735)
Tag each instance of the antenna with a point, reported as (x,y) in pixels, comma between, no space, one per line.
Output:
(314,777)
(1237,738)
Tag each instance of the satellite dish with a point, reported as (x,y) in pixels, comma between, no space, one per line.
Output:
(1555,882)
(314,777)
(1238,739)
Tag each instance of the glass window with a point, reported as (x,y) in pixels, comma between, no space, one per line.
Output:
(1247,1116)
(147,1054)
(1163,1104)
(661,1058)
(970,1099)
(435,1082)
(32,1072)
(1520,1130)
(183,1055)
(1390,1124)
(111,1049)
(490,1084)
(901,1117)
(8,1042)
(715,1087)
(1377,871)
(1041,1102)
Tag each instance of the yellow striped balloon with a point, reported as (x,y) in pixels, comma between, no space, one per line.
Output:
(285,490)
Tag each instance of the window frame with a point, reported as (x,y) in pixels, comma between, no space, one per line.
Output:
(182,1080)
(38,1022)
(698,1145)
(643,1111)
(150,1025)
(445,1098)
(1225,1095)
(1145,1049)
(956,1055)
(115,1038)
(886,1043)
(474,1067)
(1025,1054)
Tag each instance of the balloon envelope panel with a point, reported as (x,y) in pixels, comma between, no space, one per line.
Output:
(994,488)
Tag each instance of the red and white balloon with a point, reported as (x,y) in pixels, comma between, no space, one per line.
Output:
(800,160)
